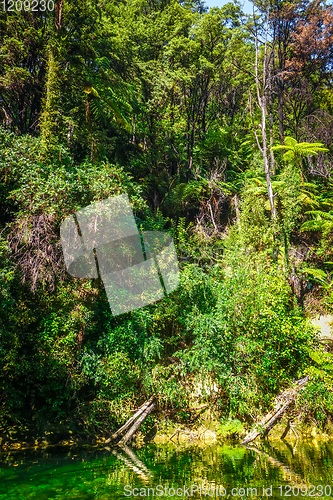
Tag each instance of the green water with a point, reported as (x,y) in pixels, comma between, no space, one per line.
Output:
(298,470)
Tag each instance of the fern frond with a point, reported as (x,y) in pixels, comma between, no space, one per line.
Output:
(307,200)
(290,141)
(312,225)
(316,225)
(317,274)
(280,147)
(294,149)
(320,213)
(103,62)
(311,185)
(258,182)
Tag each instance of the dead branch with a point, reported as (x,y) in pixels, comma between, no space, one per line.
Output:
(129,422)
(282,404)
(130,433)
(36,248)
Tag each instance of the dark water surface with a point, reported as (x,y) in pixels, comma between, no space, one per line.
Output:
(298,470)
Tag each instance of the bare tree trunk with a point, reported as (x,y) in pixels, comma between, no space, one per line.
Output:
(58,14)
(271,120)
(272,418)
(129,434)
(129,422)
(278,79)
(261,100)
(266,162)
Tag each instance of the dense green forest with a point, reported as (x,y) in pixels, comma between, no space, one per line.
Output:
(219,127)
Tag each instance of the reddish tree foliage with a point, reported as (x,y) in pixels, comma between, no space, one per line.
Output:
(312,42)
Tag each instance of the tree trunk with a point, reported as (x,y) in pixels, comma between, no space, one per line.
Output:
(48,121)
(261,99)
(265,156)
(129,422)
(272,418)
(129,434)
(271,119)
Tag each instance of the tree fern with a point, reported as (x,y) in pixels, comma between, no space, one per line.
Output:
(102,101)
(296,150)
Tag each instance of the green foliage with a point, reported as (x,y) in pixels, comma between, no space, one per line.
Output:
(323,367)
(296,150)
(46,330)
(321,222)
(98,101)
(230,429)
(316,401)
(315,274)
(151,99)
(255,338)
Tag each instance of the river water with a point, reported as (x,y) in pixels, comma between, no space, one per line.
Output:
(271,469)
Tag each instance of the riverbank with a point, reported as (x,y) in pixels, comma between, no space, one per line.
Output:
(179,435)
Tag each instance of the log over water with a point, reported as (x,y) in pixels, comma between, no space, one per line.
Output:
(282,404)
(132,424)
(129,434)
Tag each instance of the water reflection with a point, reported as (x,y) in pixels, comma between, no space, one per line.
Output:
(91,473)
(133,463)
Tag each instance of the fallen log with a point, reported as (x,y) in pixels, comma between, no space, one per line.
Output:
(286,399)
(129,422)
(129,434)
